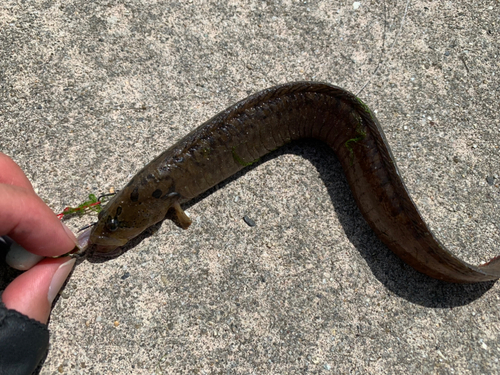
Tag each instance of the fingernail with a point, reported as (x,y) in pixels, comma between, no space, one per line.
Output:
(83,239)
(69,233)
(59,278)
(20,258)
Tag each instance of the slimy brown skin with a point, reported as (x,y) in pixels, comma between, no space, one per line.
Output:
(253,127)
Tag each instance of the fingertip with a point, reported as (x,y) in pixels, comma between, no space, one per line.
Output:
(59,277)
(31,223)
(70,234)
(32,292)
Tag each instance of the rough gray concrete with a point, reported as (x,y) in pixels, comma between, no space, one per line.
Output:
(91,91)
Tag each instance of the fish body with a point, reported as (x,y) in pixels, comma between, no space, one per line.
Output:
(261,123)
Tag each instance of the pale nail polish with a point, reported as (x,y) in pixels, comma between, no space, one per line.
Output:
(59,278)
(69,233)
(20,258)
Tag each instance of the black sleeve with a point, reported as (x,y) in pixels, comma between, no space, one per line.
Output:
(23,342)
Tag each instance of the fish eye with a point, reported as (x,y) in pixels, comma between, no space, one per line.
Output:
(111,224)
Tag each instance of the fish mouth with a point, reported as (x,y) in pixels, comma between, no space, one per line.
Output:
(101,244)
(105,249)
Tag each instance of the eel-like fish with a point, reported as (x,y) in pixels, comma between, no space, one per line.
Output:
(251,128)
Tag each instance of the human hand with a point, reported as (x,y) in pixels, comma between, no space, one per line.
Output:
(27,220)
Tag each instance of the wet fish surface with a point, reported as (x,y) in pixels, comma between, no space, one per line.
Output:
(244,132)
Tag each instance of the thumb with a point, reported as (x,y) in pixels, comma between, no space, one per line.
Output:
(33,292)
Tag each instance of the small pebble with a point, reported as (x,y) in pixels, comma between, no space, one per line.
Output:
(64,295)
(356,5)
(249,221)
(490,180)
